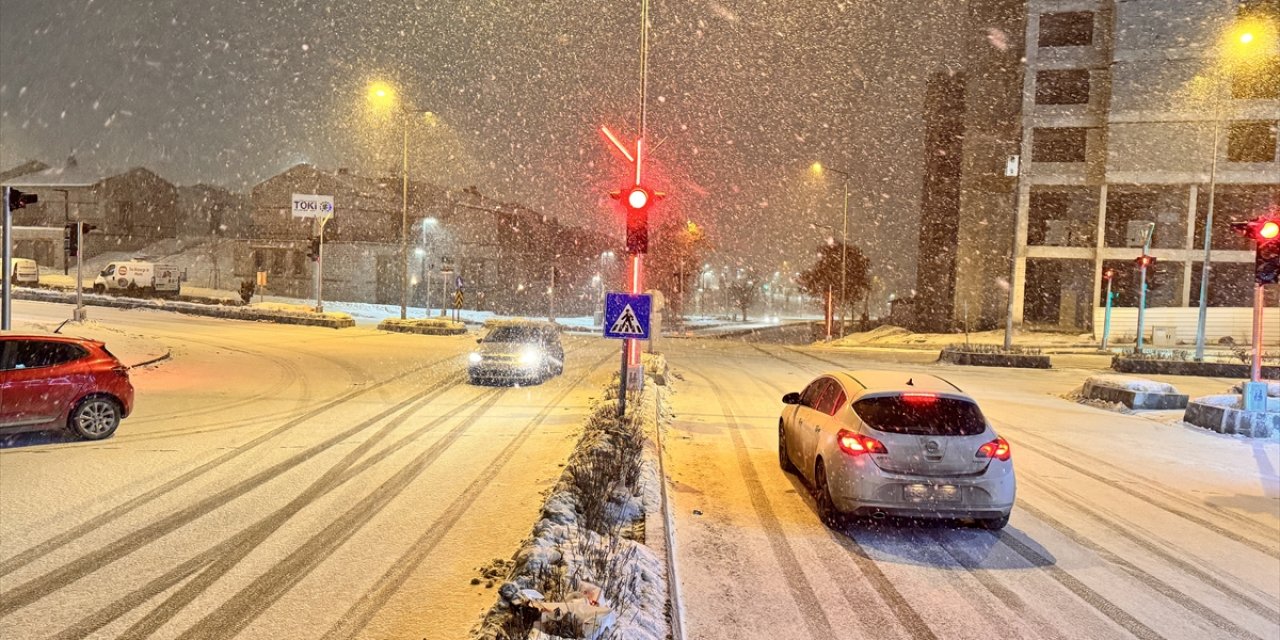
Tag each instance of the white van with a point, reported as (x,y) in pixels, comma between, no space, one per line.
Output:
(24,272)
(138,277)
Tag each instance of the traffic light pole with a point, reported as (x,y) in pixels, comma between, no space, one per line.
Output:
(1106,321)
(1259,304)
(320,264)
(1142,290)
(6,258)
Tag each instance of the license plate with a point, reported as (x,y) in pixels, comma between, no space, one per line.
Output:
(931,493)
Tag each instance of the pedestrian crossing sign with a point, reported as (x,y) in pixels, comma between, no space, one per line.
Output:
(626,316)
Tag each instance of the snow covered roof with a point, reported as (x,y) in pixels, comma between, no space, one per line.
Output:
(75,176)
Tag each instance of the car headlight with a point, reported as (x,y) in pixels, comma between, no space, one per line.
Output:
(474,358)
(530,356)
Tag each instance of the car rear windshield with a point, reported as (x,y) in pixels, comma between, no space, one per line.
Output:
(921,415)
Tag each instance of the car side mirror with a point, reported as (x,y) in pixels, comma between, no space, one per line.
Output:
(791,398)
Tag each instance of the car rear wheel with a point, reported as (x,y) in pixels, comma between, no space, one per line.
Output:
(784,456)
(827,510)
(95,418)
(994,524)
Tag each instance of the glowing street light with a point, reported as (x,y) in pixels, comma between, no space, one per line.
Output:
(383,96)
(818,169)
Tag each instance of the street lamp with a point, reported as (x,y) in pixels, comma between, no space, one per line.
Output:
(1239,46)
(818,169)
(383,96)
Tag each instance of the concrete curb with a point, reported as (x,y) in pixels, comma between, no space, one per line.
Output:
(1188,368)
(1017,360)
(1144,400)
(189,308)
(408,326)
(1232,421)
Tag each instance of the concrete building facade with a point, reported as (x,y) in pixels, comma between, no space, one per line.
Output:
(1121,100)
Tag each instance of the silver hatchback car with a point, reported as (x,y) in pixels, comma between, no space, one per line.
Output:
(881,443)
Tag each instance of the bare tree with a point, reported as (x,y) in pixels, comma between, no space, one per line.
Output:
(744,292)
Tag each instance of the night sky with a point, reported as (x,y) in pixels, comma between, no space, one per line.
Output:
(744,97)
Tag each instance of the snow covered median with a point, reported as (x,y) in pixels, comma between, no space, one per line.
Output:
(1129,383)
(1111,391)
(424,326)
(586,571)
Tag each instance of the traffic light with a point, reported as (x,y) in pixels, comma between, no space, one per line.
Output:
(1145,261)
(71,239)
(637,201)
(18,199)
(313,251)
(1108,274)
(1265,233)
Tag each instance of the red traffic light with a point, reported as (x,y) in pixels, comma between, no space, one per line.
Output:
(1145,261)
(1109,274)
(1269,230)
(638,198)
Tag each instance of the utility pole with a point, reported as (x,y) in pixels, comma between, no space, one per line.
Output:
(6,256)
(1143,261)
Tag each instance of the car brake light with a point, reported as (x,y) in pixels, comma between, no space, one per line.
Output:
(997,449)
(914,397)
(856,443)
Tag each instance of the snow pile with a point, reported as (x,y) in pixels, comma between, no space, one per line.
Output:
(297,309)
(1138,385)
(1228,400)
(591,532)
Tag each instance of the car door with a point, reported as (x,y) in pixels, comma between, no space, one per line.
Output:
(807,419)
(819,420)
(38,384)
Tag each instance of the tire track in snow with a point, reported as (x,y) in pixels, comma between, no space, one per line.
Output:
(985,577)
(1080,589)
(230,618)
(27,556)
(1157,550)
(907,616)
(359,614)
(36,588)
(213,563)
(1152,500)
(806,599)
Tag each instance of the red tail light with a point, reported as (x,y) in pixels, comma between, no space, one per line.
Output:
(919,398)
(997,449)
(857,444)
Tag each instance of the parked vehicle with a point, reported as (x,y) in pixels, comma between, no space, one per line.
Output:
(24,271)
(519,351)
(139,277)
(883,443)
(57,382)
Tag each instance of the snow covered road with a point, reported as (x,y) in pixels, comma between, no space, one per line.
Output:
(1125,526)
(282,482)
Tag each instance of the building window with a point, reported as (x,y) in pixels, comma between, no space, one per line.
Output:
(1068,86)
(1074,29)
(1258,80)
(1252,142)
(1065,144)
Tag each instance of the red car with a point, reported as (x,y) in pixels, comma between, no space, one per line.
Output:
(55,382)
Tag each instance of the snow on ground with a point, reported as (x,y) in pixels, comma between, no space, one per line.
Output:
(300,309)
(1124,526)
(889,335)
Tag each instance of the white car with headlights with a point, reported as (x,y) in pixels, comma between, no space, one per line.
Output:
(517,351)
(884,443)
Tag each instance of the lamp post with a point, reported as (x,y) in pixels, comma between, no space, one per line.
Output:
(1238,44)
(382,95)
(819,168)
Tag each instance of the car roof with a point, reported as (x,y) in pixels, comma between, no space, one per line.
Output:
(52,337)
(878,382)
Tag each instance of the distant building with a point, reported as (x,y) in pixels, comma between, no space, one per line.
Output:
(503,253)
(206,211)
(130,209)
(1119,102)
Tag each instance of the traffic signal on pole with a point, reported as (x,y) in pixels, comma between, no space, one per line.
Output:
(1145,261)
(637,200)
(1108,274)
(18,199)
(313,251)
(1265,233)
(70,240)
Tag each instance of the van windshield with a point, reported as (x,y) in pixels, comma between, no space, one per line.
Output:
(921,415)
(514,334)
